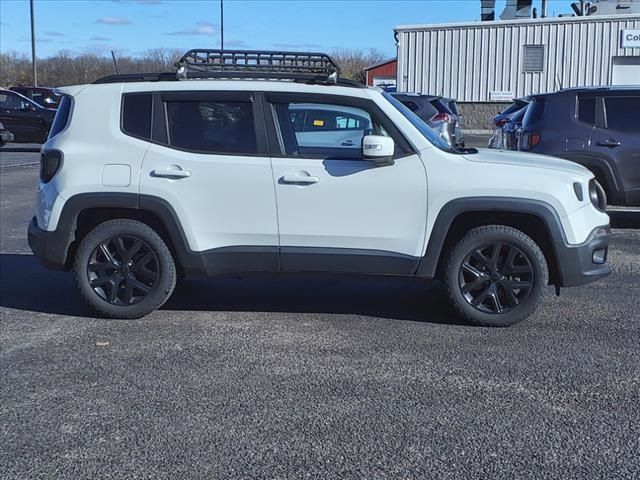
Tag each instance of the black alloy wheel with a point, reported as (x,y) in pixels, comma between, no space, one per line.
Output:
(495,278)
(123,270)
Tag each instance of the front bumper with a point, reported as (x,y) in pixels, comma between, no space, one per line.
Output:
(587,262)
(50,248)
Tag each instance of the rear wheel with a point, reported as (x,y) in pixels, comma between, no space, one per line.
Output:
(495,276)
(124,269)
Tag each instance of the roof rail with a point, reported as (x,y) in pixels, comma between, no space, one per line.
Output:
(137,77)
(262,64)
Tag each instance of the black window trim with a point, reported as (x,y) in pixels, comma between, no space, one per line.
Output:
(403,146)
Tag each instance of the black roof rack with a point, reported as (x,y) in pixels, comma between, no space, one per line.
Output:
(304,67)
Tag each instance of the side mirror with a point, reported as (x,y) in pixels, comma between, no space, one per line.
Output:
(378,148)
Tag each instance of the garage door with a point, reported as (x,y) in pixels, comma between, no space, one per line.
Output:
(626,70)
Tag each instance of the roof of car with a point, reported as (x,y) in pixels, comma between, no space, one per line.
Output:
(593,89)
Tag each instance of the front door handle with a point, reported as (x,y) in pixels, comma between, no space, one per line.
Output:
(347,143)
(300,179)
(609,143)
(171,172)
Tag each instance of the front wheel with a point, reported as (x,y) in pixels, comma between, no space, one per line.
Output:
(124,269)
(495,276)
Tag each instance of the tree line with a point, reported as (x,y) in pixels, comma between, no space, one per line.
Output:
(67,69)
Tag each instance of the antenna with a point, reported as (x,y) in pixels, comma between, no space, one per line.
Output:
(115,63)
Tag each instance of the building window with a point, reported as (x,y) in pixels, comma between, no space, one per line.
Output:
(533,58)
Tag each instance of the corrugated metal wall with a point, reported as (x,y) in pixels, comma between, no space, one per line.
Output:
(468,61)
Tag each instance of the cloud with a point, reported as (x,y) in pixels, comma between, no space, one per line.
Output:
(235,43)
(114,21)
(297,45)
(201,28)
(54,34)
(98,38)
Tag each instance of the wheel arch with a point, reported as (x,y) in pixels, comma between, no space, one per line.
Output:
(535,218)
(83,212)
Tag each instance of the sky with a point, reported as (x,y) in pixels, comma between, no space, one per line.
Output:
(129,27)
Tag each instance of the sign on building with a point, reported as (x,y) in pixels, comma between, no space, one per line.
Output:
(630,39)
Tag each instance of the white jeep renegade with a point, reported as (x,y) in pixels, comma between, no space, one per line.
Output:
(268,161)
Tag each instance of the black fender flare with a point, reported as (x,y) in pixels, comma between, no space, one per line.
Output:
(450,211)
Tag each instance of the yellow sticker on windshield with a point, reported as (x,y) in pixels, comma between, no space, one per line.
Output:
(318,123)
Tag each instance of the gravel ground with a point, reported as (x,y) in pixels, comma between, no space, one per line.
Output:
(272,377)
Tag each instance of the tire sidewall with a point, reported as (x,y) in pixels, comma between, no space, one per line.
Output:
(166,266)
(507,236)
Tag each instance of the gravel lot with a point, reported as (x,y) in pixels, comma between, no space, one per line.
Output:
(270,377)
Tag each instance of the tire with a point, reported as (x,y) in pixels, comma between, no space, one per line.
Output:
(124,269)
(495,276)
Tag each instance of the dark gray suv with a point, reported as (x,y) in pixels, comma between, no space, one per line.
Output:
(597,127)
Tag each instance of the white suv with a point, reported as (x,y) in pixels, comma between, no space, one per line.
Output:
(263,161)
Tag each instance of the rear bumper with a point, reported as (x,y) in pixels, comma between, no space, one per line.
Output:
(50,248)
(587,262)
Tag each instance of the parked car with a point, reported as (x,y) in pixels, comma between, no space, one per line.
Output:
(45,97)
(144,179)
(436,112)
(506,125)
(5,136)
(595,127)
(28,121)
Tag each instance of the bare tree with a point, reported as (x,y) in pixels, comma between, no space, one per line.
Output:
(353,62)
(67,69)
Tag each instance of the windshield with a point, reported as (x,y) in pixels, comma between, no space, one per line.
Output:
(424,129)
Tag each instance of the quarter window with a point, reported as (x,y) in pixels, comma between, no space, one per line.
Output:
(136,115)
(587,110)
(212,126)
(622,113)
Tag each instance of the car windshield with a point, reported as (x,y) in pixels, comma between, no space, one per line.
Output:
(425,129)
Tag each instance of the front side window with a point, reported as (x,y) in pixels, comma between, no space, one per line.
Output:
(212,126)
(323,130)
(622,113)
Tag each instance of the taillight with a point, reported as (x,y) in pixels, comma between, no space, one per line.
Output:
(442,117)
(528,140)
(50,163)
(501,123)
(534,139)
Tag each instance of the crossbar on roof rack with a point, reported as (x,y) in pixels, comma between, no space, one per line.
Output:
(203,63)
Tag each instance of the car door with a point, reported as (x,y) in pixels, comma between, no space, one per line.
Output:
(336,211)
(213,169)
(616,139)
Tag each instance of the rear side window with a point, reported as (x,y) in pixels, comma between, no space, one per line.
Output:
(61,119)
(136,115)
(587,110)
(413,106)
(622,113)
(535,111)
(212,126)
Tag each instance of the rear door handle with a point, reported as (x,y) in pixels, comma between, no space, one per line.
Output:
(347,143)
(171,172)
(609,143)
(300,179)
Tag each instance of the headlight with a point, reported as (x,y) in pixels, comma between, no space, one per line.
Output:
(597,195)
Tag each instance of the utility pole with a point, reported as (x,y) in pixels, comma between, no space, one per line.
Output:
(33,47)
(221,24)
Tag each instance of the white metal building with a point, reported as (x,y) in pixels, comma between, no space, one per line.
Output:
(499,60)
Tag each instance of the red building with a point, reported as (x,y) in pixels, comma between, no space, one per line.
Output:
(382,74)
